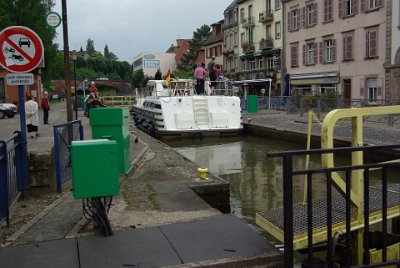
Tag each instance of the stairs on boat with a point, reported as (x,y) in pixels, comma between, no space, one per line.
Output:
(201,113)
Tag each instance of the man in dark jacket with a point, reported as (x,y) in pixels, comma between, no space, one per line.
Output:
(45,107)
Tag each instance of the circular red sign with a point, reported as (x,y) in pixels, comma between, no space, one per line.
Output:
(21,49)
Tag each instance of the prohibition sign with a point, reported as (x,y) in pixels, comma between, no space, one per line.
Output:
(21,49)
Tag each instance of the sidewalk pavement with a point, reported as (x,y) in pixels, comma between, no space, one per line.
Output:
(376,129)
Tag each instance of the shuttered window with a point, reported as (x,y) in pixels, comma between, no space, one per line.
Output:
(294,55)
(328,10)
(348,46)
(371,43)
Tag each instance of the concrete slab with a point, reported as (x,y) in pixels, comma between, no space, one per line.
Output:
(215,238)
(57,253)
(145,247)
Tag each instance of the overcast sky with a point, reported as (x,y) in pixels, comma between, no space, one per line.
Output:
(130,27)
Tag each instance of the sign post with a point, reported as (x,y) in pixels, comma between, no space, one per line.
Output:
(21,52)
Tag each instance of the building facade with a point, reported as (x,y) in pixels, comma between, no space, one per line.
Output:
(180,49)
(213,45)
(392,66)
(150,62)
(260,41)
(231,40)
(336,46)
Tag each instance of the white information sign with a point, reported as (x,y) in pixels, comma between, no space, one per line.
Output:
(19,79)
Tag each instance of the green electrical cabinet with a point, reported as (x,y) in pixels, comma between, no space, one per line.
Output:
(113,123)
(252,104)
(94,168)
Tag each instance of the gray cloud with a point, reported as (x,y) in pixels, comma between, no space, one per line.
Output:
(129,27)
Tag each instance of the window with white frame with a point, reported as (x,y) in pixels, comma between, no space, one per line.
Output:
(373,4)
(371,43)
(260,64)
(230,40)
(294,20)
(329,47)
(252,65)
(235,39)
(242,39)
(349,7)
(311,15)
(278,30)
(242,18)
(372,90)
(310,53)
(269,31)
(277,4)
(226,44)
(270,63)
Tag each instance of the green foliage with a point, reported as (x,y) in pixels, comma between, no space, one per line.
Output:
(200,36)
(31,14)
(137,79)
(184,74)
(90,47)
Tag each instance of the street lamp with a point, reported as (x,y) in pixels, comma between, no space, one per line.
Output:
(74,58)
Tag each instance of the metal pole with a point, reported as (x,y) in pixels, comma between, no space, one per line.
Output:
(76,93)
(24,148)
(66,62)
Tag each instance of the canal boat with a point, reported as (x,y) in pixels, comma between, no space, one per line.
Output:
(165,109)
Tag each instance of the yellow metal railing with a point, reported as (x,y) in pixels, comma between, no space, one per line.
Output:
(119,101)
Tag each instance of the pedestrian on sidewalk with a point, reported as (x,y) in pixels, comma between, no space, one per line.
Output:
(32,117)
(46,107)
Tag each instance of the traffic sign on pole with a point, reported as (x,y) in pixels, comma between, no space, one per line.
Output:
(21,49)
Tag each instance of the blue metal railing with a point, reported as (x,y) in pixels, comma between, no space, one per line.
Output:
(12,179)
(64,134)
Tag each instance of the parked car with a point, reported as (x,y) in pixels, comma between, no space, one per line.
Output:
(7,109)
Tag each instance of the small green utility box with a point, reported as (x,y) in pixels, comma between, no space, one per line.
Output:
(252,104)
(94,168)
(113,123)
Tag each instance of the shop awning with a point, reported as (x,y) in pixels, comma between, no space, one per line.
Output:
(314,78)
(252,82)
(261,53)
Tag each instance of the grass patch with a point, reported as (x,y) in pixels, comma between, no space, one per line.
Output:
(127,195)
(151,195)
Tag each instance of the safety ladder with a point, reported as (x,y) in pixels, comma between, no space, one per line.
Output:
(200,110)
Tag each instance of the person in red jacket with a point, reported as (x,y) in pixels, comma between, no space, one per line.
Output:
(46,107)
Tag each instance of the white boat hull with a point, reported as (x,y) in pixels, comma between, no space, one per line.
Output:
(179,115)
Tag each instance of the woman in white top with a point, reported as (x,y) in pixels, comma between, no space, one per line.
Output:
(32,116)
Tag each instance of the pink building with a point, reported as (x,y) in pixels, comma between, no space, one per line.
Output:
(336,46)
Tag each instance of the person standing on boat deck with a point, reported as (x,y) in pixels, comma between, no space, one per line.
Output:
(32,116)
(218,72)
(158,75)
(45,107)
(211,71)
(199,74)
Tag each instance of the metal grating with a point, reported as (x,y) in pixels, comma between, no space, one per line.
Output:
(319,208)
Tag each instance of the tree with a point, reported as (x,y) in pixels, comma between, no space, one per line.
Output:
(109,55)
(200,36)
(90,47)
(137,78)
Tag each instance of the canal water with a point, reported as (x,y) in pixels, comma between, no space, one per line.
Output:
(255,179)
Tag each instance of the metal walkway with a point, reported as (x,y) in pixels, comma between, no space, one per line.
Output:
(272,221)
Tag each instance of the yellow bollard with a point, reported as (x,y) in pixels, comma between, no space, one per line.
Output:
(202,173)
